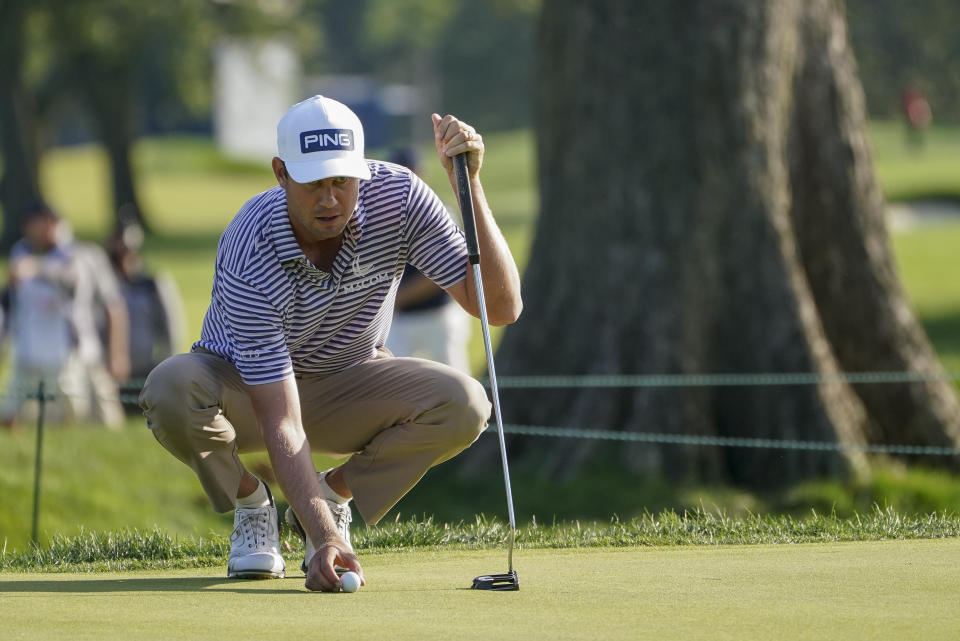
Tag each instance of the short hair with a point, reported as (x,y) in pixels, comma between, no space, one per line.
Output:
(38,209)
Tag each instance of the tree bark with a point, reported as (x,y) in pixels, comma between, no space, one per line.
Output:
(19,185)
(114,118)
(669,239)
(109,93)
(103,75)
(838,211)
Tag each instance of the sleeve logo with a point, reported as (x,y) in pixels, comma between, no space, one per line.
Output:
(326,140)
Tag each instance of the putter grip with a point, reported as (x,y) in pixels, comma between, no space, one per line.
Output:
(465,196)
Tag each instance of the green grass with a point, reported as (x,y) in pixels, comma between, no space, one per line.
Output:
(132,549)
(95,480)
(875,590)
(186,186)
(928,262)
(930,172)
(823,559)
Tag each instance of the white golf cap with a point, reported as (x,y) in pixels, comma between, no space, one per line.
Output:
(321,138)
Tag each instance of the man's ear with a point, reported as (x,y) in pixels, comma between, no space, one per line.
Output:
(280,172)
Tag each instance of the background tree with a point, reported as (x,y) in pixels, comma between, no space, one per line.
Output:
(113,54)
(902,44)
(708,206)
(469,58)
(19,184)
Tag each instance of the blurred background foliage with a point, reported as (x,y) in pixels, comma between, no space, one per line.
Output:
(483,52)
(112,71)
(900,44)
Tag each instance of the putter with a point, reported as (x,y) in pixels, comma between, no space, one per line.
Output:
(509,580)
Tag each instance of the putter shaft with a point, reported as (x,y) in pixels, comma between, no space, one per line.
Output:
(495,395)
(465,196)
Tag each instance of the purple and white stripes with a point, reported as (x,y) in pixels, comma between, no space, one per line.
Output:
(272,312)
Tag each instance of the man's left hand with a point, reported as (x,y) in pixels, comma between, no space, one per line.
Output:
(453,137)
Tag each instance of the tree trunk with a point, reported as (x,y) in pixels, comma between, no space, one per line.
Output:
(838,211)
(110,97)
(669,238)
(19,184)
(104,78)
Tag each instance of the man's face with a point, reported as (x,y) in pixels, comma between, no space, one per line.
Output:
(40,232)
(318,210)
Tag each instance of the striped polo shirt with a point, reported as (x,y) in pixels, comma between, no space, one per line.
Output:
(273,313)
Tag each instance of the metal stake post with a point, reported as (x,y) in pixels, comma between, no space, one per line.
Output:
(38,466)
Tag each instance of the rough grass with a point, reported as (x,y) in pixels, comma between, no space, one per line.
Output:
(96,480)
(132,549)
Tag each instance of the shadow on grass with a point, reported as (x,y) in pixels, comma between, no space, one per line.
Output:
(95,585)
(599,492)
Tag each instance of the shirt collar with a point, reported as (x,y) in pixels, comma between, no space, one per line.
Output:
(355,227)
(281,232)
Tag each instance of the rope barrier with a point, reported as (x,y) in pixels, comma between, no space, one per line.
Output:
(130,387)
(719,380)
(680,380)
(723,441)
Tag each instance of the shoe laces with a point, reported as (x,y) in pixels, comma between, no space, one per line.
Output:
(342,516)
(254,526)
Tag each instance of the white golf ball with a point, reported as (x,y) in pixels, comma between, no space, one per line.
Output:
(350,582)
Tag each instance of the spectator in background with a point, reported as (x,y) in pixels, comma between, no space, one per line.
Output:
(44,273)
(153,304)
(917,114)
(101,323)
(57,288)
(427,323)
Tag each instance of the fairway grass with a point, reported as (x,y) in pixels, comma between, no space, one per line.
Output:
(868,590)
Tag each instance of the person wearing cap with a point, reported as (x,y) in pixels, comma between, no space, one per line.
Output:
(56,290)
(43,279)
(291,357)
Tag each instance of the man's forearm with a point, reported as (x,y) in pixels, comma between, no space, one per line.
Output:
(501,278)
(290,457)
(278,414)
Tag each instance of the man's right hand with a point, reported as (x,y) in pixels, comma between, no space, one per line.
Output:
(321,575)
(277,407)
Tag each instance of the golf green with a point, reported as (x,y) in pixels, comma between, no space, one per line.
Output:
(877,590)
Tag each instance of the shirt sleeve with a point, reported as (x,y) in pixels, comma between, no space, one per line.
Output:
(101,274)
(437,247)
(255,330)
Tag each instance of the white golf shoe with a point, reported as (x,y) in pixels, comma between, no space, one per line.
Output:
(342,516)
(255,543)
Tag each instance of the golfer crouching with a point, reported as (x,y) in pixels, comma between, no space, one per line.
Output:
(291,359)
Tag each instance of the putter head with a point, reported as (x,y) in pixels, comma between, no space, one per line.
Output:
(499,582)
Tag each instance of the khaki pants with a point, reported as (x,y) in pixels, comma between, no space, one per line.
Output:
(80,392)
(397,417)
